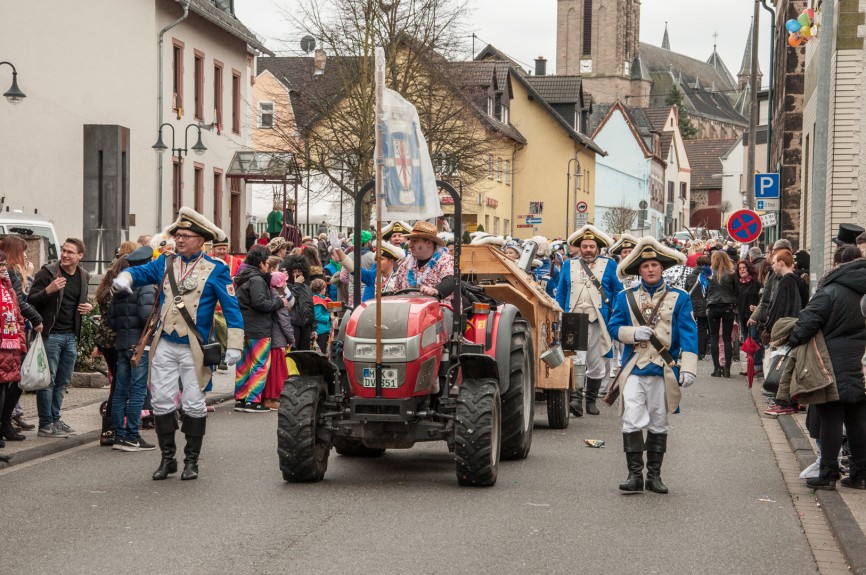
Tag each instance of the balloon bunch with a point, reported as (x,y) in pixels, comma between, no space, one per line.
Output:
(803,29)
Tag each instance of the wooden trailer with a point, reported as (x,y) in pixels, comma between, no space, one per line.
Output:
(486,266)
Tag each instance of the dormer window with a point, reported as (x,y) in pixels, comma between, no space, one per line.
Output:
(504,115)
(490,106)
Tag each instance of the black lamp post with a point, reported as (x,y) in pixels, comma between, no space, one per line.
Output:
(14,95)
(199,149)
(568,205)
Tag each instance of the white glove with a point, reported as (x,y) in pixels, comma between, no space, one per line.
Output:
(335,241)
(643,333)
(122,282)
(233,356)
(686,378)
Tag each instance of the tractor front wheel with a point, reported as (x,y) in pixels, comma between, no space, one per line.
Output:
(477,432)
(303,455)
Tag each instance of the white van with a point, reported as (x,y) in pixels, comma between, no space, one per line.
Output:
(31,224)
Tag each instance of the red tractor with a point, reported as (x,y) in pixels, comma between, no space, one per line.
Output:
(462,374)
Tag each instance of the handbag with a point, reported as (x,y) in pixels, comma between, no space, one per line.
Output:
(773,377)
(212,351)
(35,373)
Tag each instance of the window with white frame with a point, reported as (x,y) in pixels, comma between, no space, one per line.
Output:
(508,172)
(490,166)
(490,106)
(504,115)
(266,114)
(498,169)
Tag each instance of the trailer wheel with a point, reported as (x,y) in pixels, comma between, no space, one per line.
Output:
(518,402)
(355,448)
(303,455)
(557,408)
(477,433)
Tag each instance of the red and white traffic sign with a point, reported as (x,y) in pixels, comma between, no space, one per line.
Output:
(582,207)
(745,226)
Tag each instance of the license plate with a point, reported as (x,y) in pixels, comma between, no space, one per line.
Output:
(389,378)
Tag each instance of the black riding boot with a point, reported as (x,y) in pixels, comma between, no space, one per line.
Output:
(576,404)
(166,425)
(193,428)
(656,445)
(633,445)
(592,387)
(857,477)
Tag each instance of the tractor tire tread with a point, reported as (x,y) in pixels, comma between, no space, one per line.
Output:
(475,454)
(296,430)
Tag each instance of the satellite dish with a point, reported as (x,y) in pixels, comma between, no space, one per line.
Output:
(308,44)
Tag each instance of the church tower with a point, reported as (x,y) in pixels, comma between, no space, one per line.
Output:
(600,40)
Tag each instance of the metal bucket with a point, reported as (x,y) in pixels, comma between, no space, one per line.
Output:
(554,356)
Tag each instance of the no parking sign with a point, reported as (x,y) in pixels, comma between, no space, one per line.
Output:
(745,226)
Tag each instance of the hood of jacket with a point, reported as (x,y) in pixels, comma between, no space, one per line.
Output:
(248,273)
(851,275)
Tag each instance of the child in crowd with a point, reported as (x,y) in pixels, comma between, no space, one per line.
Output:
(323,316)
(282,337)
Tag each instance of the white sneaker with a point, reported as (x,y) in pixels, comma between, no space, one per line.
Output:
(813,470)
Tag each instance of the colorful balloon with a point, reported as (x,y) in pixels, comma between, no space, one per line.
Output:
(794,40)
(793,26)
(810,13)
(805,32)
(804,20)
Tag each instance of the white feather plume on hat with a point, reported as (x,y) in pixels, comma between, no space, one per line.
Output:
(590,232)
(483,238)
(543,246)
(648,248)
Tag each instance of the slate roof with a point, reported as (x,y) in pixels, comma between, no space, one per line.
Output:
(636,116)
(228,22)
(310,94)
(557,89)
(705,160)
(658,115)
(707,92)
(473,80)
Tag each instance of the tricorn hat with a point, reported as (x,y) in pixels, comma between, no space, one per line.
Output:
(484,239)
(590,232)
(395,227)
(847,234)
(647,249)
(395,252)
(140,256)
(624,243)
(425,231)
(190,220)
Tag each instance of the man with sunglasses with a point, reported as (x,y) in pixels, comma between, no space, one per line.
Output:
(175,351)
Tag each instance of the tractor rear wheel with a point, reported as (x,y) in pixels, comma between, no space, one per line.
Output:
(477,432)
(355,448)
(518,401)
(303,455)
(557,408)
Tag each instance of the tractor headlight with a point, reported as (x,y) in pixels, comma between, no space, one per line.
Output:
(390,351)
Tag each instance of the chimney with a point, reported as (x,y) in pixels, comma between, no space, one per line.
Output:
(540,66)
(319,62)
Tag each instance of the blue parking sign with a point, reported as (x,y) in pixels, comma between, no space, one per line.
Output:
(767,187)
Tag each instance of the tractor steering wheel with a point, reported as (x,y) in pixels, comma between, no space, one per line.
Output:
(409,290)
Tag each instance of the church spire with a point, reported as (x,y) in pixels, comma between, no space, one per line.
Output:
(666,41)
(745,72)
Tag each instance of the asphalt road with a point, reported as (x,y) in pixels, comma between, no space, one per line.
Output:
(94,510)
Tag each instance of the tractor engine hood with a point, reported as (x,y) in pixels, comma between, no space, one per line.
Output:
(410,325)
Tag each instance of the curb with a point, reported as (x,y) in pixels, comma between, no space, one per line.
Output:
(846,530)
(58,446)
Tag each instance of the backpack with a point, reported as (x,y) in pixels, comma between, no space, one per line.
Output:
(302,312)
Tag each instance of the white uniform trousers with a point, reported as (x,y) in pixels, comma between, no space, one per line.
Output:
(170,363)
(644,405)
(596,366)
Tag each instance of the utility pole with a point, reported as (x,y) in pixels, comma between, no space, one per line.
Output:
(819,175)
(753,111)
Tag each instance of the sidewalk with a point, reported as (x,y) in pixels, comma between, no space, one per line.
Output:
(81,412)
(844,509)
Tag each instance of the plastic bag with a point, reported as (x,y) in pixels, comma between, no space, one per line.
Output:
(35,374)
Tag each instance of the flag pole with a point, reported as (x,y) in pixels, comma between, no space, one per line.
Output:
(380,200)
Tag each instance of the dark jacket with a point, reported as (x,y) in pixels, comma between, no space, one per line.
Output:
(791,296)
(747,295)
(282,334)
(699,299)
(27,310)
(257,302)
(722,290)
(833,310)
(49,304)
(128,313)
(302,313)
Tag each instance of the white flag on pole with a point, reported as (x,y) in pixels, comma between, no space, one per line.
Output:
(408,177)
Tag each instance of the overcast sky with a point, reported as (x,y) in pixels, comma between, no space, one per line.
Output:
(526,29)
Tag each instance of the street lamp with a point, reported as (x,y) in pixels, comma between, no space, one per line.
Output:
(577,176)
(198,148)
(14,95)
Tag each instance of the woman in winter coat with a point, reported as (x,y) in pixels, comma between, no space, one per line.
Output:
(302,314)
(696,286)
(748,297)
(258,304)
(127,317)
(282,337)
(721,308)
(16,269)
(12,341)
(830,311)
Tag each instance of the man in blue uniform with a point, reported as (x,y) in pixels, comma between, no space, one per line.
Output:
(176,353)
(655,322)
(588,284)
